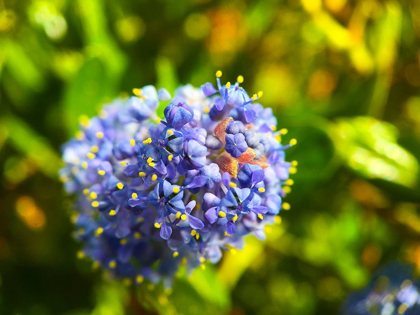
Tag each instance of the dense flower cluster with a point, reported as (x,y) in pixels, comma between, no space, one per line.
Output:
(154,192)
(391,292)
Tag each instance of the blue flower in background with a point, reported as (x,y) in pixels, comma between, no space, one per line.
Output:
(154,192)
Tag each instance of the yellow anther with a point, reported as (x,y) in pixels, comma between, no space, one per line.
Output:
(80,135)
(142,174)
(203,266)
(139,279)
(260,94)
(158,225)
(94,149)
(137,92)
(254,97)
(289,182)
(148,140)
(284,131)
(152,164)
(124,163)
(273,128)
(176,190)
(101,172)
(227,234)
(74,170)
(178,214)
(112,264)
(133,142)
(91,155)
(206,109)
(261,189)
(277,219)
(222,214)
(278,138)
(175,254)
(112,213)
(99,135)
(228,85)
(170,132)
(287,189)
(99,231)
(293,170)
(80,254)
(95,265)
(193,232)
(235,218)
(197,236)
(170,158)
(285,206)
(84,121)
(85,165)
(95,204)
(202,259)
(184,217)
(86,191)
(260,216)
(218,73)
(137,235)
(149,160)
(120,186)
(233,185)
(134,195)
(294,163)
(293,142)
(123,241)
(93,195)
(154,177)
(158,120)
(240,79)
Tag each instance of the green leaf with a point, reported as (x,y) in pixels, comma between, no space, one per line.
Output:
(167,79)
(370,148)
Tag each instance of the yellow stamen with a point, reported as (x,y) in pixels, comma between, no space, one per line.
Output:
(158,225)
(134,195)
(99,231)
(137,92)
(123,241)
(101,172)
(293,170)
(93,195)
(235,218)
(260,216)
(170,158)
(142,174)
(139,279)
(91,156)
(184,217)
(233,185)
(176,190)
(94,149)
(260,94)
(133,142)
(273,128)
(149,160)
(254,97)
(112,264)
(294,163)
(202,259)
(158,120)
(175,254)
(124,163)
(148,140)
(206,110)
(80,254)
(197,236)
(277,219)
(137,235)
(218,73)
(112,213)
(228,85)
(120,186)
(86,191)
(285,206)
(99,135)
(170,132)
(290,182)
(287,189)
(284,131)
(261,189)
(240,79)
(222,214)
(193,232)
(154,177)
(80,135)
(152,164)
(178,214)
(95,204)
(85,165)
(293,142)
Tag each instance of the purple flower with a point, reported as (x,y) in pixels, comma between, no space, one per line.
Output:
(236,144)
(177,115)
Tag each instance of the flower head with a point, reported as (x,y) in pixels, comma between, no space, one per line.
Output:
(152,192)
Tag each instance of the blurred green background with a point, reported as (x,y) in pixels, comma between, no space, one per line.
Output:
(342,75)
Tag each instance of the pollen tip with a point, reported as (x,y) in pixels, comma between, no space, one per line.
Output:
(218,73)
(240,79)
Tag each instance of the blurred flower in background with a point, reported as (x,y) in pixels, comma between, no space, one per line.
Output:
(342,76)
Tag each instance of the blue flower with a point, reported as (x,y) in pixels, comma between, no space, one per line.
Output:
(154,192)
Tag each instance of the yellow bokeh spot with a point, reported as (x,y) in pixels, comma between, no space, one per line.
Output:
(285,206)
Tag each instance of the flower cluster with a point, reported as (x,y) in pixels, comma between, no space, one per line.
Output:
(152,193)
(391,292)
